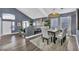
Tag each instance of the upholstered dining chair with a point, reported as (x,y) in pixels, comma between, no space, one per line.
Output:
(62,36)
(45,35)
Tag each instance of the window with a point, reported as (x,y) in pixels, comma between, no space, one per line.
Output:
(8,25)
(13,26)
(8,16)
(54,23)
(25,24)
(34,24)
(65,22)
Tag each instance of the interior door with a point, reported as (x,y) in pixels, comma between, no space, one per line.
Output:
(6,27)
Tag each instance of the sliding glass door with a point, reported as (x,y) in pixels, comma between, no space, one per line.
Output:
(68,22)
(73,24)
(65,22)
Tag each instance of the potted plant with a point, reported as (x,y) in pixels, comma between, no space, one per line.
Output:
(47,23)
(31,22)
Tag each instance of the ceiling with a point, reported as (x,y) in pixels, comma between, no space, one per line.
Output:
(43,12)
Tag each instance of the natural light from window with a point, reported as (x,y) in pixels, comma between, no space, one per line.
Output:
(8,16)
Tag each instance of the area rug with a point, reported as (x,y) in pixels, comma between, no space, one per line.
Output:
(51,46)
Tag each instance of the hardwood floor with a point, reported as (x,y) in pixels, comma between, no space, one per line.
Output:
(72,45)
(16,43)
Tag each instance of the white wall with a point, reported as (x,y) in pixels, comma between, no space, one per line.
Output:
(6,27)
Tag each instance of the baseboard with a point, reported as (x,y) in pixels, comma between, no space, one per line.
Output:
(10,33)
(32,36)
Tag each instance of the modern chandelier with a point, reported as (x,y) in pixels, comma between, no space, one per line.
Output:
(54,14)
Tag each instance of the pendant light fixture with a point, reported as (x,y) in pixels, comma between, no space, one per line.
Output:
(54,14)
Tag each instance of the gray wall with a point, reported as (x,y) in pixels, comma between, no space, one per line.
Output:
(18,15)
(73,21)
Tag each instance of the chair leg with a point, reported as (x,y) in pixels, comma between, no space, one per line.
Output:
(51,39)
(54,40)
(47,41)
(64,39)
(61,41)
(43,39)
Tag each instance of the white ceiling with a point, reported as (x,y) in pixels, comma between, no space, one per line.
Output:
(43,12)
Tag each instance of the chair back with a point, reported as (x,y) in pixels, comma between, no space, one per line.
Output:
(64,32)
(44,32)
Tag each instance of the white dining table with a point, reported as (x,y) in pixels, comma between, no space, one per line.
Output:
(53,32)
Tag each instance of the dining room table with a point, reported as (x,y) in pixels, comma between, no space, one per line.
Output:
(53,33)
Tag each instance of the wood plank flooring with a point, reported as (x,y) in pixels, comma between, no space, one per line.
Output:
(16,43)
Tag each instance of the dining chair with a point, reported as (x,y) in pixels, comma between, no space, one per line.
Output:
(62,36)
(45,35)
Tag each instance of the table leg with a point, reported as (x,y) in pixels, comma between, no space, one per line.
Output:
(47,41)
(43,39)
(61,41)
(51,39)
(54,40)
